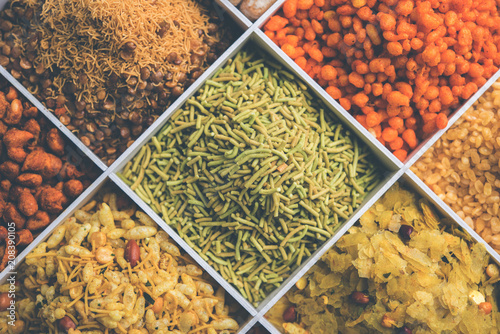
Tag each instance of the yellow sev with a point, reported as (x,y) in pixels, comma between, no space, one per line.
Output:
(72,269)
(88,36)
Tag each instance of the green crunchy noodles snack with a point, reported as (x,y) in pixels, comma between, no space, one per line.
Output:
(399,270)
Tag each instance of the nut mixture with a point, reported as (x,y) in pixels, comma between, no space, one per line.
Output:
(463,167)
(108,269)
(38,177)
(108,110)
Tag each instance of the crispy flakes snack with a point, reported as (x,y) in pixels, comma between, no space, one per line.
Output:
(425,284)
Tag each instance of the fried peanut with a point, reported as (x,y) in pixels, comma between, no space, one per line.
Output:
(73,188)
(14,114)
(38,221)
(27,204)
(29,180)
(10,170)
(51,200)
(33,127)
(23,237)
(55,142)
(104,254)
(14,141)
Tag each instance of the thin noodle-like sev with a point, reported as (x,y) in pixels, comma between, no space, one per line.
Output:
(120,327)
(30,256)
(86,300)
(88,326)
(89,36)
(154,260)
(74,301)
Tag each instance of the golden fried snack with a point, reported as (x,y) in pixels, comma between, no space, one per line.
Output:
(55,142)
(114,272)
(39,220)
(51,200)
(23,237)
(29,180)
(14,141)
(73,188)
(9,169)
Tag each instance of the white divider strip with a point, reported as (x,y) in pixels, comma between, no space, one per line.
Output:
(424,146)
(160,122)
(267,325)
(77,203)
(235,13)
(311,261)
(427,192)
(380,150)
(173,234)
(248,325)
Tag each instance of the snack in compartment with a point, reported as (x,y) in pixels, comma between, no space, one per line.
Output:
(110,269)
(463,167)
(253,173)
(40,172)
(257,329)
(253,9)
(399,67)
(400,270)
(108,69)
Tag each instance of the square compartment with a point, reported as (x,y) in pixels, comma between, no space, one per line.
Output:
(123,212)
(341,61)
(392,216)
(109,117)
(389,175)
